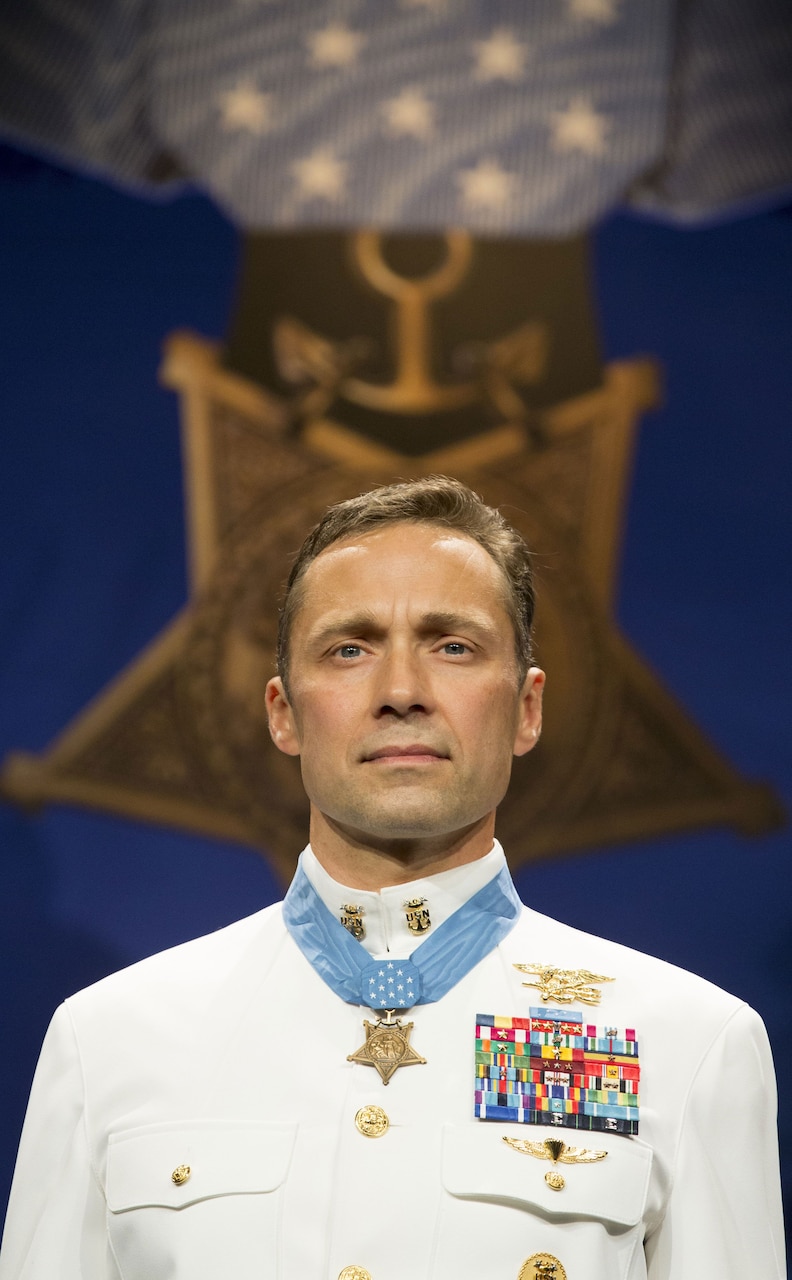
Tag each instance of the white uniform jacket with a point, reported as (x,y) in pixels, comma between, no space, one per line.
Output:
(229,1055)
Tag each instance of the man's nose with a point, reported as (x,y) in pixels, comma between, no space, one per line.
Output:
(402,685)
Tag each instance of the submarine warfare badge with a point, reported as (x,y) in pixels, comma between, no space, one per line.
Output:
(387,1046)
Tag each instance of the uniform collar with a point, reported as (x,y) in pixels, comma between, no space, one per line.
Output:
(384,914)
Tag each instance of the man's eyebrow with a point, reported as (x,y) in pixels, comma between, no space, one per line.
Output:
(442,622)
(435,622)
(356,624)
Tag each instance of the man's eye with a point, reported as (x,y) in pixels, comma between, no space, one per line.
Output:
(455,647)
(349,651)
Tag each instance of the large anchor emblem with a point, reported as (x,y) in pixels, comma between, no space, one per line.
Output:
(328,370)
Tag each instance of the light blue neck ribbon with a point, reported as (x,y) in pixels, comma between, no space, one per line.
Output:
(435,966)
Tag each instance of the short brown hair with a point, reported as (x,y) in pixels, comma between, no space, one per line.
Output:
(434,500)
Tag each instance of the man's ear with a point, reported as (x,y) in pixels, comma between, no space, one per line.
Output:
(283,730)
(529,724)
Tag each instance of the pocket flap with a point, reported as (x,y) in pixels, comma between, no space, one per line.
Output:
(479,1165)
(223,1158)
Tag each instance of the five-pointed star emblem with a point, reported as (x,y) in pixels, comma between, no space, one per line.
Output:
(411,114)
(246,107)
(603,11)
(501,57)
(488,185)
(579,128)
(387,1047)
(334,46)
(320,174)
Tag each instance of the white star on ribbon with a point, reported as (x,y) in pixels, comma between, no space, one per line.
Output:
(334,46)
(594,10)
(501,57)
(246,107)
(487,186)
(320,175)
(579,128)
(411,114)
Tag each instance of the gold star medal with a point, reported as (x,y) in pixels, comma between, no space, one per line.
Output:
(387,1046)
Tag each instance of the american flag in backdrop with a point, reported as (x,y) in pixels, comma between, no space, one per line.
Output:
(529,117)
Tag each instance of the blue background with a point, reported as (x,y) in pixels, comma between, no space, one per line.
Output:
(93,565)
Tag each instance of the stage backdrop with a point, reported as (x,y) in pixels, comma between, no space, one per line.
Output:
(93,561)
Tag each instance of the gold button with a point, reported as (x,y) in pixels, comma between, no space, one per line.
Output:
(542,1266)
(354,1273)
(180,1174)
(372,1122)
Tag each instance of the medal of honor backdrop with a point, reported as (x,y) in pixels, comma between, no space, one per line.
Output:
(92,500)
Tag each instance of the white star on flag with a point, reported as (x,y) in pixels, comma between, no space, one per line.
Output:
(334,46)
(410,114)
(487,186)
(594,10)
(579,128)
(501,57)
(320,176)
(246,107)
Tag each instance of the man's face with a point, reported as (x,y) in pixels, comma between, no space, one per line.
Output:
(404,702)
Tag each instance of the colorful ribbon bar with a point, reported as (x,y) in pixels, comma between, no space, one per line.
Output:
(552,1068)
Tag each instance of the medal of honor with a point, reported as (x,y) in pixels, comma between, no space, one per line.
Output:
(387,1046)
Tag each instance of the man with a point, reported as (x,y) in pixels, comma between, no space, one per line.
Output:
(359,1083)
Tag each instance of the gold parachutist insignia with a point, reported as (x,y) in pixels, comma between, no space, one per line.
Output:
(565,986)
(557,1151)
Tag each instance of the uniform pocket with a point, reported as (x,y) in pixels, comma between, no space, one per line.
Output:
(202,1198)
(498,1197)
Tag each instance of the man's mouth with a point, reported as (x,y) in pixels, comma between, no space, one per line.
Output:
(416,751)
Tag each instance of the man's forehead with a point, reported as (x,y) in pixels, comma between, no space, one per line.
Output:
(404,550)
(352,571)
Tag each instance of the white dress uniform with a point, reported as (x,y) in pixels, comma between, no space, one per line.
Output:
(194,1118)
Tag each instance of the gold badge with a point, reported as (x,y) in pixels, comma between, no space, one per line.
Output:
(556,1150)
(372,1122)
(542,1266)
(417,914)
(354,1273)
(387,1046)
(180,1174)
(352,920)
(565,986)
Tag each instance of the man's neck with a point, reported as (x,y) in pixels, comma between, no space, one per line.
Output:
(365,862)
